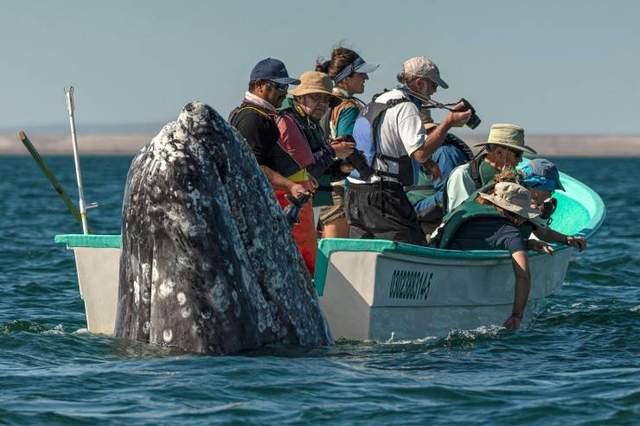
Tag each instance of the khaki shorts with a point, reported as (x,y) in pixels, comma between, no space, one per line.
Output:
(329,214)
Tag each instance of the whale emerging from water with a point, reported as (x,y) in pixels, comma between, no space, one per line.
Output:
(208,263)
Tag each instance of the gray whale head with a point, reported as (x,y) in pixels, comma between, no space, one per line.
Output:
(208,263)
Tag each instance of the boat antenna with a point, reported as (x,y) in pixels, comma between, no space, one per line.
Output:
(76,160)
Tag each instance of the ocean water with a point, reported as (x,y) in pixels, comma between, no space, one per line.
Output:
(577,363)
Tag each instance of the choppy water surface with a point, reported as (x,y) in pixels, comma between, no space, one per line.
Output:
(577,363)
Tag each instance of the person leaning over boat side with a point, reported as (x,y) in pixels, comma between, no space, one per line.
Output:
(427,194)
(498,221)
(504,149)
(390,133)
(255,119)
(349,73)
(304,140)
(541,177)
(502,220)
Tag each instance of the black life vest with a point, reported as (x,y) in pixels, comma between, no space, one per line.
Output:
(374,113)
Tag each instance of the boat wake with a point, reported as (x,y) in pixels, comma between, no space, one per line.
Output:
(453,338)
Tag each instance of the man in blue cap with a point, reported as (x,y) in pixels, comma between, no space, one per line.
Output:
(256,117)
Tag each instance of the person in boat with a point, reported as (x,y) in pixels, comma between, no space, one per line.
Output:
(256,120)
(349,73)
(504,148)
(305,142)
(541,177)
(390,133)
(503,219)
(426,195)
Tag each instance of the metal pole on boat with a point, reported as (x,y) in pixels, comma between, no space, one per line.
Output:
(76,160)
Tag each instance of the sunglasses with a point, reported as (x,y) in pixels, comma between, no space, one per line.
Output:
(279,87)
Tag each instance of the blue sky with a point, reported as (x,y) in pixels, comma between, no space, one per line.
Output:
(552,67)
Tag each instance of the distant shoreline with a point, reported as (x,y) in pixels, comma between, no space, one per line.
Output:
(129,144)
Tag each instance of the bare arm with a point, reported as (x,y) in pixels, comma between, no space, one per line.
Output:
(549,235)
(456,117)
(520,263)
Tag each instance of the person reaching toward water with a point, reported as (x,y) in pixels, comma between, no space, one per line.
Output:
(349,73)
(501,220)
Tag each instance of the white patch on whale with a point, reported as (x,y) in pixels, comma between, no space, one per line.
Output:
(166,288)
(182,299)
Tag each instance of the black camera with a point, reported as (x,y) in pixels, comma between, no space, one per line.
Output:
(292,211)
(359,162)
(474,121)
(548,207)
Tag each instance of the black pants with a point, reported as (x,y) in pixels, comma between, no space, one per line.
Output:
(382,210)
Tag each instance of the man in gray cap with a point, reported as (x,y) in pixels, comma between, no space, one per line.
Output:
(390,132)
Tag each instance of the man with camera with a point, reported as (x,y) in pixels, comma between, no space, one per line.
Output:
(390,133)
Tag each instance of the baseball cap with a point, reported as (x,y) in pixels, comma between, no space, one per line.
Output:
(273,70)
(540,173)
(420,66)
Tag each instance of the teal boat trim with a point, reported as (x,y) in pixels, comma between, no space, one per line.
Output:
(580,211)
(94,241)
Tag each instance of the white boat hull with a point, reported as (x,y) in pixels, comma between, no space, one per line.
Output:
(378,296)
(377,289)
(371,295)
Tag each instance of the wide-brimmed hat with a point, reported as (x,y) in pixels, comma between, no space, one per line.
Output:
(508,135)
(512,197)
(272,69)
(316,82)
(420,66)
(358,65)
(541,174)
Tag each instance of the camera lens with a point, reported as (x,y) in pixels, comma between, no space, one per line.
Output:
(474,121)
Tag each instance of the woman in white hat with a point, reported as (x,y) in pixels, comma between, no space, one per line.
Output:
(349,72)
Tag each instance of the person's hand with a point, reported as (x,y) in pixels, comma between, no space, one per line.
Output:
(513,322)
(346,168)
(432,169)
(458,115)
(540,247)
(342,147)
(312,184)
(578,242)
(299,190)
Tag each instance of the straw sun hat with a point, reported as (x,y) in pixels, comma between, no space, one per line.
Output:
(507,135)
(316,82)
(512,197)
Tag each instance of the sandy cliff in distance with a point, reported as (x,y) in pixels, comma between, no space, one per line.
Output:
(114,144)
